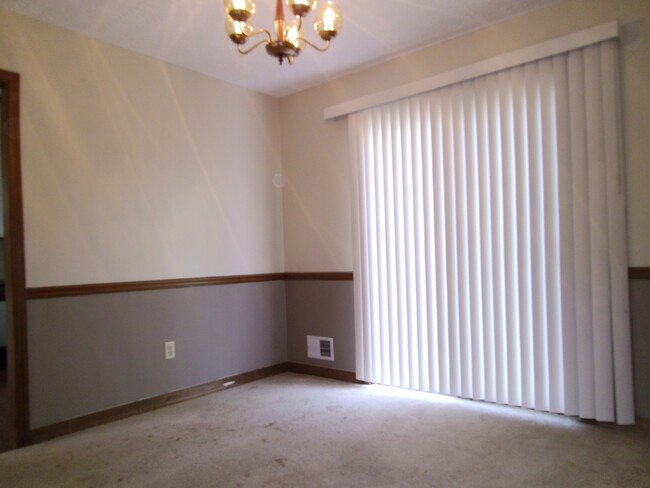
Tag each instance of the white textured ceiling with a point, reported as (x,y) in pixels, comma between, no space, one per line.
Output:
(190,33)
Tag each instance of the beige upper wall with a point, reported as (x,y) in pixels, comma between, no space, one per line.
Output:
(134,169)
(316,163)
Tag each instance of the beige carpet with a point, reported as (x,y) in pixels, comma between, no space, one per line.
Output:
(298,431)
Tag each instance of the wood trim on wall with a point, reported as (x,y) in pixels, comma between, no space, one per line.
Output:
(127,286)
(333,374)
(336,276)
(14,256)
(99,288)
(639,273)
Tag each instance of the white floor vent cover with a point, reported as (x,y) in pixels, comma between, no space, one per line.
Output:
(320,348)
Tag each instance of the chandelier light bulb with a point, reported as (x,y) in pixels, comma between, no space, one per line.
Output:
(328,18)
(238,31)
(293,35)
(239,10)
(329,21)
(300,8)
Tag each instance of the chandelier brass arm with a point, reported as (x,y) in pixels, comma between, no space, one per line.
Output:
(252,48)
(308,42)
(314,46)
(257,44)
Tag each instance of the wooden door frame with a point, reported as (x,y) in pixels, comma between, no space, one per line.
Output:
(14,256)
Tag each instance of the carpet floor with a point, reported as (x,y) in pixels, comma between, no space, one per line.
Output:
(299,431)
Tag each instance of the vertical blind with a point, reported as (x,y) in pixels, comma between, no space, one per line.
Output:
(490,257)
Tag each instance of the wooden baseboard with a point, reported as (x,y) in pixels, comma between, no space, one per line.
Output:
(642,424)
(334,374)
(123,411)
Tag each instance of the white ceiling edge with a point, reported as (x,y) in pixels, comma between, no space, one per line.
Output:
(108,22)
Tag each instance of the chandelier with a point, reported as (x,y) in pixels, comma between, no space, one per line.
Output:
(289,37)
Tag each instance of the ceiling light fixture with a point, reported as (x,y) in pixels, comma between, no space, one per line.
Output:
(290,38)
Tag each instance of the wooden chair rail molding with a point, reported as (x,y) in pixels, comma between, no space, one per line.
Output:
(639,273)
(127,286)
(337,276)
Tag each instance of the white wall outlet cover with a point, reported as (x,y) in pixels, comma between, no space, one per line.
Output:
(170,350)
(320,348)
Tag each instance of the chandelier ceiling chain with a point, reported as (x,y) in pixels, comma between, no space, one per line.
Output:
(289,37)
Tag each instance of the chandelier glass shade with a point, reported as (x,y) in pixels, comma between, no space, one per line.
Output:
(289,37)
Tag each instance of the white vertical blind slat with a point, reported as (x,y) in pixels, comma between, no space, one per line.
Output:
(356,137)
(373,268)
(598,237)
(566,230)
(539,326)
(420,329)
(380,251)
(391,232)
(473,235)
(581,225)
(552,242)
(431,380)
(371,223)
(365,246)
(451,244)
(459,166)
(399,345)
(617,232)
(510,239)
(421,260)
(484,202)
(442,296)
(523,141)
(498,239)
(410,270)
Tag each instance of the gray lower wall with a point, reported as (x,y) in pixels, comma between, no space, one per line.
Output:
(640,314)
(94,352)
(321,308)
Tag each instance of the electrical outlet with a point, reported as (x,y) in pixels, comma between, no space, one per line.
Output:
(170,350)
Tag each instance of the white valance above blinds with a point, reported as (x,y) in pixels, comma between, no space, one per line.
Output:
(546,49)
